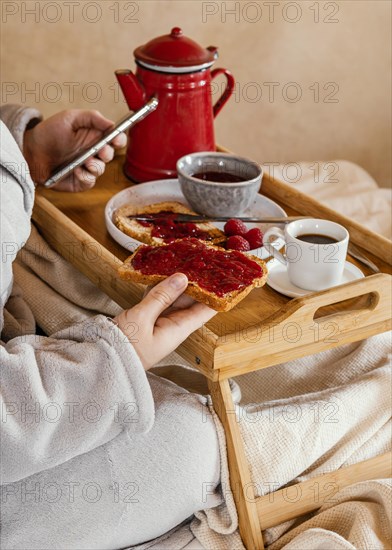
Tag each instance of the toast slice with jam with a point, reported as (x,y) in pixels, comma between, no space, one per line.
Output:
(163,228)
(217,277)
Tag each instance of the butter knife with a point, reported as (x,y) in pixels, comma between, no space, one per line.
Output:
(181,218)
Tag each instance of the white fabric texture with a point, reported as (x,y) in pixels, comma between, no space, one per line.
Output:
(135,486)
(17,198)
(17,192)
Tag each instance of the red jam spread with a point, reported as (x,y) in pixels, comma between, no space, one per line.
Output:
(218,271)
(169,230)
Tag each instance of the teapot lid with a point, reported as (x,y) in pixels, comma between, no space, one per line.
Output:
(175,53)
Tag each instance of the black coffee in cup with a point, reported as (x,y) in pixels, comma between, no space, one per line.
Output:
(316,239)
(219,177)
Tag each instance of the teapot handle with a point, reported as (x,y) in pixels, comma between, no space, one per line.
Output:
(228,90)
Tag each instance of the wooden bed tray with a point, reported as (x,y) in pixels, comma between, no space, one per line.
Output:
(265,329)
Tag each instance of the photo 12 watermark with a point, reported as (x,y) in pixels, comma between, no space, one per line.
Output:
(275,91)
(312,414)
(70,492)
(316,492)
(293,172)
(270,12)
(69,92)
(70,412)
(70,12)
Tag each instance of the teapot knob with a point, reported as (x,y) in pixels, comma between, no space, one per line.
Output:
(213,50)
(176,32)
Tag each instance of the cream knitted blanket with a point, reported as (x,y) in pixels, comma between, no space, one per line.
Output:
(298,419)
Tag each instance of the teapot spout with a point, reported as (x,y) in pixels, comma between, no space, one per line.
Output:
(132,89)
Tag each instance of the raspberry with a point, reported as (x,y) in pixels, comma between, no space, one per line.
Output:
(236,242)
(234,227)
(254,237)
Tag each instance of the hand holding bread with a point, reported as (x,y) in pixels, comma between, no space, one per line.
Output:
(162,320)
(185,264)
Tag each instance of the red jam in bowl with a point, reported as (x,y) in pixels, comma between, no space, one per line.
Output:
(218,271)
(166,228)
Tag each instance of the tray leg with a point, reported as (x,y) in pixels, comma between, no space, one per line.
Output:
(240,480)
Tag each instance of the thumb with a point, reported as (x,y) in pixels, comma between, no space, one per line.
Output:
(163,295)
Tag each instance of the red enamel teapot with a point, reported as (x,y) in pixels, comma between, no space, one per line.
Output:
(176,70)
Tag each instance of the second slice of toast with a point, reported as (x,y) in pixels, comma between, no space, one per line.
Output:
(144,232)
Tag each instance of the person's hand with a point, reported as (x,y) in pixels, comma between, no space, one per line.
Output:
(162,320)
(60,138)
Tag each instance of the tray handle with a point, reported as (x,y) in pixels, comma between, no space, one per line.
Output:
(378,286)
(300,312)
(293,331)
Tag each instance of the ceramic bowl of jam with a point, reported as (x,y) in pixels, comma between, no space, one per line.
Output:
(219,184)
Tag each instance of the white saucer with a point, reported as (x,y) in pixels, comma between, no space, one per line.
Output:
(169,190)
(278,278)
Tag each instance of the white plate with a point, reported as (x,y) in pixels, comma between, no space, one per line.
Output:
(278,278)
(169,190)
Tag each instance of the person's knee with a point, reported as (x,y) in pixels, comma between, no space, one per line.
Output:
(184,423)
(197,450)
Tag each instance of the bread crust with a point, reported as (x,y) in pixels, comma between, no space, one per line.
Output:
(143,234)
(219,303)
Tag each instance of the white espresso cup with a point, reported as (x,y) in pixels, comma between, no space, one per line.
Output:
(310,265)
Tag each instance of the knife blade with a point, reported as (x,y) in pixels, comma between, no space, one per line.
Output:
(181,218)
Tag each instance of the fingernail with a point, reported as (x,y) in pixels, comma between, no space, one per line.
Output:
(121,140)
(178,281)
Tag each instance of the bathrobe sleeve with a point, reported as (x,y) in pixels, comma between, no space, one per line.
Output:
(64,395)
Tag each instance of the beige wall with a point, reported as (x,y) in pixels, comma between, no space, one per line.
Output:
(349,57)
